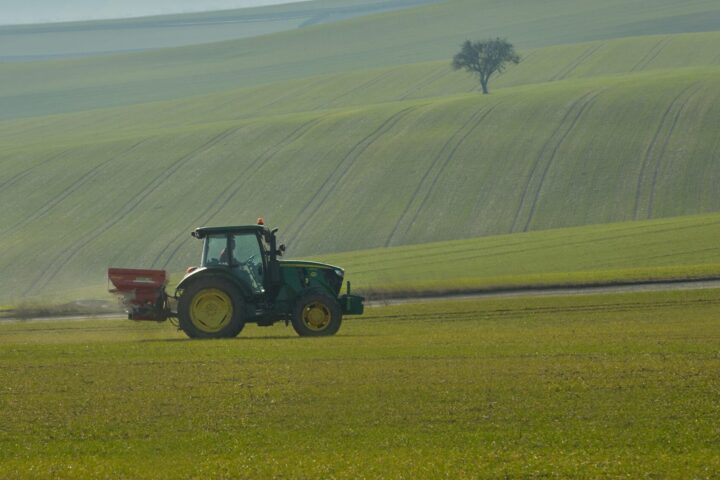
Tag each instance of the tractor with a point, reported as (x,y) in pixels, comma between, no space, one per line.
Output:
(240,280)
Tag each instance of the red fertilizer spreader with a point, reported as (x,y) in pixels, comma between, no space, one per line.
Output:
(142,292)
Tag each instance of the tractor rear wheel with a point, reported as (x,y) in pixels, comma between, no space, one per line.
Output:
(211,308)
(316,315)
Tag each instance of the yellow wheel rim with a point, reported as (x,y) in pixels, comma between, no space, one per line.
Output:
(211,310)
(316,316)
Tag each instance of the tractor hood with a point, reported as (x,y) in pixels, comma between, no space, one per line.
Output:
(308,264)
(301,274)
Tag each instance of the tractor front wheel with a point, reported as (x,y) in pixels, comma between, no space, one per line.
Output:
(211,308)
(316,315)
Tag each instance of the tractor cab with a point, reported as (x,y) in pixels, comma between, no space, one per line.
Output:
(242,251)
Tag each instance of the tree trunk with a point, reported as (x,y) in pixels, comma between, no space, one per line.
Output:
(484,85)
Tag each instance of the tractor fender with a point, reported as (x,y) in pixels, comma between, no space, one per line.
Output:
(214,272)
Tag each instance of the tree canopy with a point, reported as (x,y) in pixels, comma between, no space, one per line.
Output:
(484,58)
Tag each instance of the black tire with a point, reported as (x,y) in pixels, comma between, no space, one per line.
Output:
(211,308)
(316,315)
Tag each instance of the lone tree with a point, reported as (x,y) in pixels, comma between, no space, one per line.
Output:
(485,58)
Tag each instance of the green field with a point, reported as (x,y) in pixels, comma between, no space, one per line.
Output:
(672,249)
(68,39)
(599,386)
(354,88)
(676,248)
(600,150)
(421,34)
(596,160)
(353,135)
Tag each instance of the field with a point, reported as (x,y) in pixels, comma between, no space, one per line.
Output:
(597,386)
(69,39)
(352,135)
(596,160)
(675,248)
(670,249)
(421,34)
(401,172)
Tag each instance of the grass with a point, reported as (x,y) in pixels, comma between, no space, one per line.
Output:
(600,150)
(428,33)
(672,249)
(667,249)
(607,131)
(601,386)
(425,80)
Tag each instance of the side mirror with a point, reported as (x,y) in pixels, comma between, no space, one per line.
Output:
(281,249)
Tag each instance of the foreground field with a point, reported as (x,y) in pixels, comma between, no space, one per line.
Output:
(623,385)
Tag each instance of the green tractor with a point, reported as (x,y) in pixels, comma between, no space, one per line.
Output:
(240,280)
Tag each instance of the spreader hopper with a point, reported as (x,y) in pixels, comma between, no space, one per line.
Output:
(142,292)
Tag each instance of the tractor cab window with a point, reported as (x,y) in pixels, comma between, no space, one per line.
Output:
(215,252)
(248,260)
(240,252)
(246,249)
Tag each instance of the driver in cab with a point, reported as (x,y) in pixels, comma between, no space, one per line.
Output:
(245,261)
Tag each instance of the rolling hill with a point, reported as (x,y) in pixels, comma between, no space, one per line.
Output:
(606,131)
(427,33)
(650,250)
(598,150)
(426,80)
(71,39)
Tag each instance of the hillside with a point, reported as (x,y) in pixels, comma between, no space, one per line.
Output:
(69,39)
(425,80)
(606,131)
(665,249)
(598,150)
(426,33)
(671,249)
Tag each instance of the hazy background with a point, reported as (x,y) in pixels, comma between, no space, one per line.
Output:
(41,11)
(74,28)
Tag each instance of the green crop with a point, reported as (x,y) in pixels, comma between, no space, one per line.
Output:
(428,33)
(344,157)
(597,386)
(598,150)
(679,248)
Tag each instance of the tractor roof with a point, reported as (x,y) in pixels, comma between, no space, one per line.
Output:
(202,232)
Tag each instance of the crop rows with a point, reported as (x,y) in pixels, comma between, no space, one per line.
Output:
(273,169)
(471,389)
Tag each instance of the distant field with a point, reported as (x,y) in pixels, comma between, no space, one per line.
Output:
(420,34)
(56,40)
(426,80)
(602,386)
(668,249)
